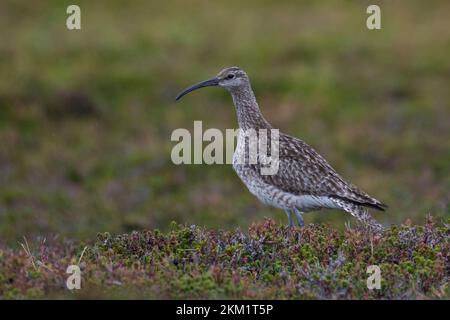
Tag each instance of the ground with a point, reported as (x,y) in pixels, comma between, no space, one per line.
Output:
(267,261)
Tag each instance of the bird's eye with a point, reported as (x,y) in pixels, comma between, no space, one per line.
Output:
(230,76)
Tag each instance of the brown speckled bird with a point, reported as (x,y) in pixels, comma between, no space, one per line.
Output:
(304,181)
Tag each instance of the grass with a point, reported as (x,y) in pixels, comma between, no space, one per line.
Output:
(86,116)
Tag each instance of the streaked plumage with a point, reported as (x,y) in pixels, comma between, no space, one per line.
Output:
(304,181)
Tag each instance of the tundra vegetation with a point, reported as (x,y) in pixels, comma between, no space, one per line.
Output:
(267,261)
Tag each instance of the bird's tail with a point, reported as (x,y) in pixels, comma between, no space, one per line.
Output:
(360,213)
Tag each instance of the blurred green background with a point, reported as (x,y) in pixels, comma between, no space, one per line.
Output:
(86,116)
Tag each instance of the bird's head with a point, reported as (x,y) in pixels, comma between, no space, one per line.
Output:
(229,78)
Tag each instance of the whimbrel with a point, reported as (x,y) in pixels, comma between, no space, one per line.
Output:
(304,181)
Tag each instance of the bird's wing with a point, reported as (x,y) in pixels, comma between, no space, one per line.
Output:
(303,171)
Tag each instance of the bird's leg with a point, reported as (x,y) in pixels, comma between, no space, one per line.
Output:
(288,213)
(299,215)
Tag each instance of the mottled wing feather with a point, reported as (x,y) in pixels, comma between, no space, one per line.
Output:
(302,171)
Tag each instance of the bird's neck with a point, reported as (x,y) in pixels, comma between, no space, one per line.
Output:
(247,109)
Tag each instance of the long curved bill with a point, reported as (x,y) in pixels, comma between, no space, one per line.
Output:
(207,83)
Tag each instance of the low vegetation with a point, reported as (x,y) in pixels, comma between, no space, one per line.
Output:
(266,261)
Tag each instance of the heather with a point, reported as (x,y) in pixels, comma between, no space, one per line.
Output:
(267,261)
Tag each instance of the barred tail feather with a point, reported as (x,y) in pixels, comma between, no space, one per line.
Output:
(360,213)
